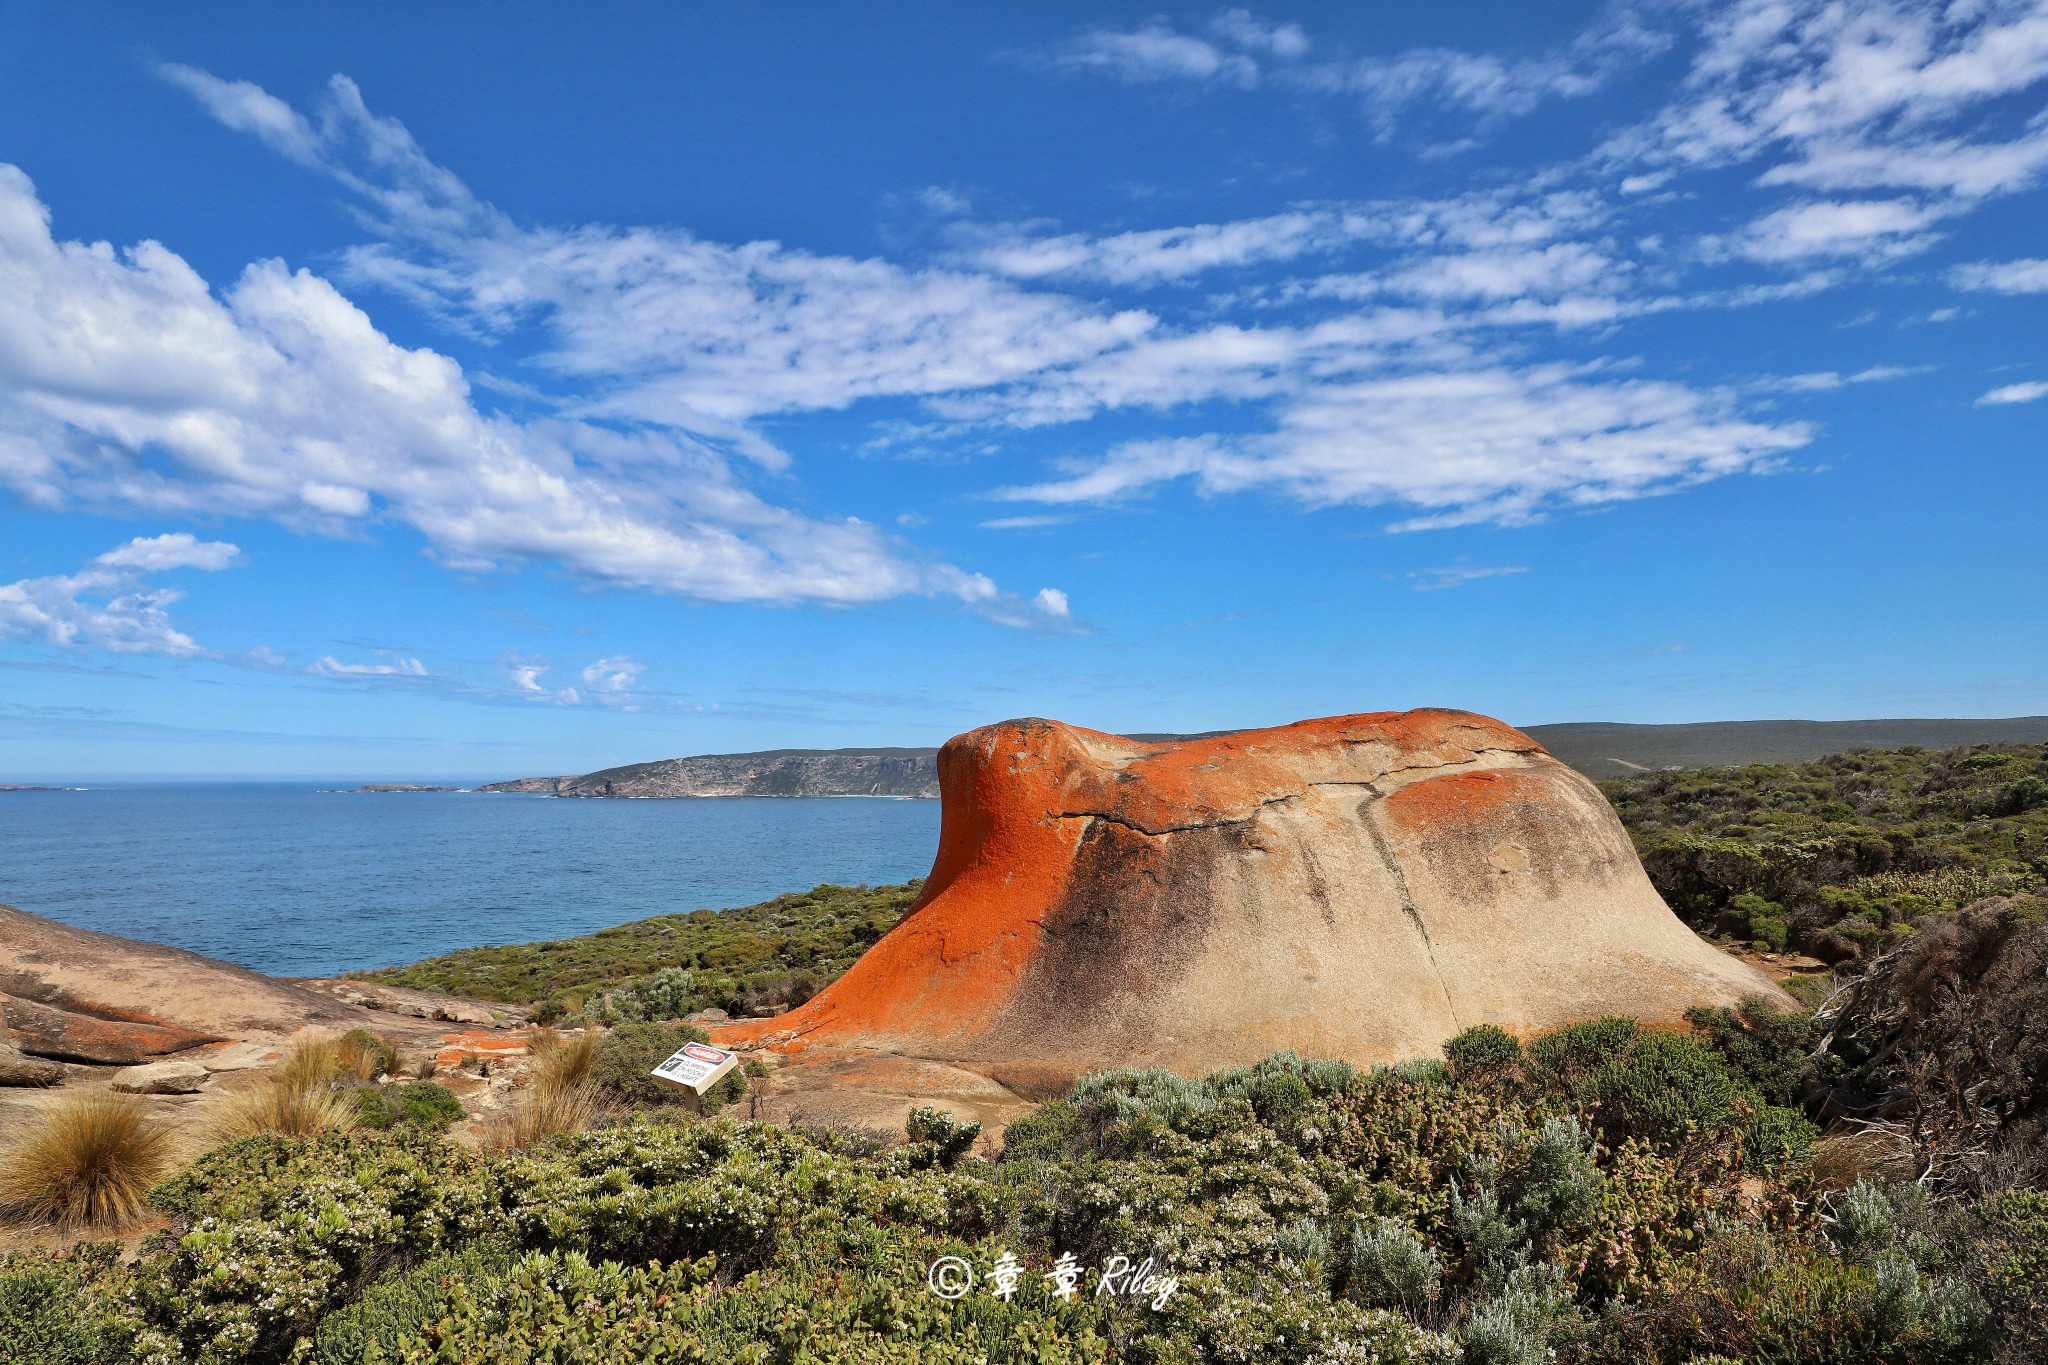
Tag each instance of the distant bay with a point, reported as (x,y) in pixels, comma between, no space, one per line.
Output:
(299,880)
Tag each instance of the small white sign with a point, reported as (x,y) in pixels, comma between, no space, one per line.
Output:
(697,1066)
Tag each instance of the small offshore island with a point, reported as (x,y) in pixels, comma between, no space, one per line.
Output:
(1381,1038)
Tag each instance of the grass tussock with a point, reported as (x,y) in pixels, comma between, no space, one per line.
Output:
(545,1111)
(299,1099)
(276,1108)
(561,1063)
(313,1063)
(90,1161)
(363,1055)
(560,1095)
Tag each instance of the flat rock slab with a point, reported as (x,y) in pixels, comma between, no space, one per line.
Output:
(876,1091)
(92,1034)
(160,1078)
(415,1004)
(16,1068)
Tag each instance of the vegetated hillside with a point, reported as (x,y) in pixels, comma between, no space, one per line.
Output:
(1602,749)
(1838,857)
(756,957)
(1599,749)
(774,772)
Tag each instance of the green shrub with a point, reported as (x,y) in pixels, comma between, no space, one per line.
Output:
(1759,920)
(1482,1051)
(422,1103)
(62,1310)
(394,1309)
(948,1138)
(1391,1267)
(627,1054)
(2009,1255)
(1766,1048)
(1047,1133)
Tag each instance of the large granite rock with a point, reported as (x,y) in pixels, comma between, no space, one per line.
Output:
(78,996)
(1359,887)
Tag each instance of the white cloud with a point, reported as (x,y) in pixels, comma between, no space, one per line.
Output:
(330,667)
(1487,445)
(2014,393)
(125,383)
(1166,254)
(105,605)
(1874,230)
(2004,277)
(1488,86)
(1857,93)
(1355,398)
(1156,52)
(1886,95)
(1826,381)
(1458,575)
(1253,34)
(614,676)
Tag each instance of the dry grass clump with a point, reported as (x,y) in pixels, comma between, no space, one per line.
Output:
(559,1097)
(365,1056)
(92,1159)
(561,1062)
(312,1063)
(544,1111)
(277,1108)
(298,1100)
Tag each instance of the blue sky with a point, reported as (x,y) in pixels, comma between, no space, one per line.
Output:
(403,393)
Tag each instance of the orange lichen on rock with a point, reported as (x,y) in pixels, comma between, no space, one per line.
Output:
(488,1045)
(1357,886)
(76,1036)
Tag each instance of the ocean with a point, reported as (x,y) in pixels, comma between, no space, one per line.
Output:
(296,880)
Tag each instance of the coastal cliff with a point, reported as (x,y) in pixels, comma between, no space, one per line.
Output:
(776,772)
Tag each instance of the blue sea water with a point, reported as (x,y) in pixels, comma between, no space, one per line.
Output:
(296,881)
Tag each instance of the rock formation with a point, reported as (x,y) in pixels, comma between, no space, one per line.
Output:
(77,996)
(775,772)
(1359,887)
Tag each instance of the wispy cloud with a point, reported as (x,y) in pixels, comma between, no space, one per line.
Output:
(2004,277)
(1229,52)
(2014,393)
(1488,445)
(1458,575)
(327,666)
(1381,353)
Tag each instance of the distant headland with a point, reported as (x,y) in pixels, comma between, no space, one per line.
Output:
(776,772)
(1599,749)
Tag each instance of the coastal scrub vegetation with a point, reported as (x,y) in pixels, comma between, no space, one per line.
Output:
(757,958)
(1840,858)
(1606,1194)
(1859,1181)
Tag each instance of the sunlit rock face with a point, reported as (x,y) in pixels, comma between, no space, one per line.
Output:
(1359,887)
